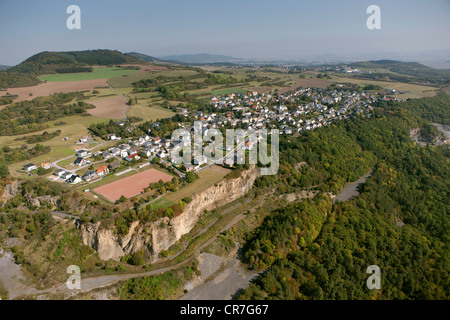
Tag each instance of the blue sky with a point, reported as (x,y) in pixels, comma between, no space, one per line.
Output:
(246,28)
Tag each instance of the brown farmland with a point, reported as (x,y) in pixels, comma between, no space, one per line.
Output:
(109,108)
(131,186)
(45,89)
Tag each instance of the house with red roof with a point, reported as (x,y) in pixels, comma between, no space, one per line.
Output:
(102,170)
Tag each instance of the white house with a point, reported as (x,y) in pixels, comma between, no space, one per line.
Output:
(29,167)
(82,153)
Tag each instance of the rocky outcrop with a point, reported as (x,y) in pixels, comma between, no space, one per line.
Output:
(110,246)
(42,200)
(215,196)
(14,188)
(11,190)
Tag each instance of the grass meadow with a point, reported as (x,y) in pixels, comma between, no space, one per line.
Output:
(97,73)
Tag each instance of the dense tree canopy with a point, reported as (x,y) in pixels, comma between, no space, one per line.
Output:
(399,222)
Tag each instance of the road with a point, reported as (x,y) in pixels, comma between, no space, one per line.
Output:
(181,174)
(64,215)
(124,99)
(55,163)
(17,289)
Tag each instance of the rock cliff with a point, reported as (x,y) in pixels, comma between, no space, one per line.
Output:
(153,237)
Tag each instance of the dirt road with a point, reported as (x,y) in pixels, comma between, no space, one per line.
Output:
(351,190)
(224,285)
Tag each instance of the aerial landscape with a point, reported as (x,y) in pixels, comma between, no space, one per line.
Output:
(118,181)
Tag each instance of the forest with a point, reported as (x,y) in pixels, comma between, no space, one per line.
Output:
(399,222)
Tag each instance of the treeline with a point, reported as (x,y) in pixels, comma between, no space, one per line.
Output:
(74,69)
(45,136)
(158,80)
(29,116)
(11,79)
(172,91)
(10,155)
(163,127)
(126,131)
(7,99)
(399,222)
(217,79)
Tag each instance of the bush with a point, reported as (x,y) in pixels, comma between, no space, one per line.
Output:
(137,259)
(187,199)
(4,171)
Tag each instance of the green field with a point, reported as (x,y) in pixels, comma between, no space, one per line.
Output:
(98,73)
(227,91)
(120,81)
(149,113)
(206,179)
(161,203)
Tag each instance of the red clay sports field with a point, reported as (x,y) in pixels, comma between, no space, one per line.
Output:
(131,186)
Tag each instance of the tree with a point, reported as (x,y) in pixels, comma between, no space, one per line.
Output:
(4,171)
(122,199)
(190,177)
(166,104)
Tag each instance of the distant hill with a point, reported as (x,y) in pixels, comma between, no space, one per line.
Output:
(3,67)
(405,71)
(26,73)
(143,57)
(201,58)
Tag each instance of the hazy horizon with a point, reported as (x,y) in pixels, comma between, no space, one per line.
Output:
(252,30)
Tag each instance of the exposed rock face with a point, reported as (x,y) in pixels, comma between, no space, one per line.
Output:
(110,246)
(42,200)
(14,188)
(11,190)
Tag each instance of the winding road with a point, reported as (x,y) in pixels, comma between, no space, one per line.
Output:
(12,280)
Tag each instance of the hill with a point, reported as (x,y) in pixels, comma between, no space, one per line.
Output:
(144,57)
(404,71)
(26,73)
(201,58)
(3,67)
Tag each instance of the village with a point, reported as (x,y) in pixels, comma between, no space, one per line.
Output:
(252,110)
